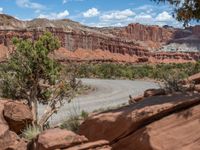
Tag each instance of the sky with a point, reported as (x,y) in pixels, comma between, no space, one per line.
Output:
(99,13)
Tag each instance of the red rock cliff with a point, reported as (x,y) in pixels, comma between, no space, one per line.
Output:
(148,33)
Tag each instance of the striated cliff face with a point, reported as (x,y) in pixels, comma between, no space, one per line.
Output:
(134,39)
(147,33)
(73,40)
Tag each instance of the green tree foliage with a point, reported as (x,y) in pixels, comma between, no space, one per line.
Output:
(30,74)
(185,10)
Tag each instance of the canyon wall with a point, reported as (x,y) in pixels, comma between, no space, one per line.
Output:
(73,40)
(133,40)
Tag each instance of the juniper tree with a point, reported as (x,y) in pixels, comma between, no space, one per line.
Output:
(185,10)
(30,74)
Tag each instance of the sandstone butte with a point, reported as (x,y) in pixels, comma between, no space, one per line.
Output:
(135,43)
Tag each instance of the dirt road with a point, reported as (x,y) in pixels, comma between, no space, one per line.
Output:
(107,93)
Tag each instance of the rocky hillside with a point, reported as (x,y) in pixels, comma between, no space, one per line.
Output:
(132,40)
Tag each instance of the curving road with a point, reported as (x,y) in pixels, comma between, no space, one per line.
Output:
(107,93)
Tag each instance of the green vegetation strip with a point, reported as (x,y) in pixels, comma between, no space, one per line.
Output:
(126,71)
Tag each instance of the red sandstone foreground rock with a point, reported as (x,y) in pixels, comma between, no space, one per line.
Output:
(118,124)
(97,145)
(157,122)
(17,115)
(154,92)
(8,139)
(147,93)
(178,131)
(192,83)
(194,78)
(58,139)
(63,139)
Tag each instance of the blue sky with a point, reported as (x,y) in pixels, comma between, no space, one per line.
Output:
(92,12)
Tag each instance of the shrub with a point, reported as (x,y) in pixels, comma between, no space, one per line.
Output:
(84,114)
(172,80)
(128,71)
(72,123)
(31,132)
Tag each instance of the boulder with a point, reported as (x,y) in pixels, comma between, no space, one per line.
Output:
(11,141)
(17,115)
(178,131)
(136,99)
(197,87)
(194,78)
(117,124)
(58,139)
(3,124)
(4,129)
(100,145)
(154,92)
(8,139)
(188,87)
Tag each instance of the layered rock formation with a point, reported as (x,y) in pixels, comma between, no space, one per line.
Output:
(86,55)
(134,39)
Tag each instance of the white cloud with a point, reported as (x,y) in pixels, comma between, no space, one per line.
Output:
(143,18)
(59,15)
(65,1)
(144,7)
(146,18)
(63,14)
(1,10)
(92,12)
(117,15)
(164,16)
(29,4)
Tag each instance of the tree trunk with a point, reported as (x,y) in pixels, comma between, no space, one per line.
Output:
(34,111)
(34,104)
(46,115)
